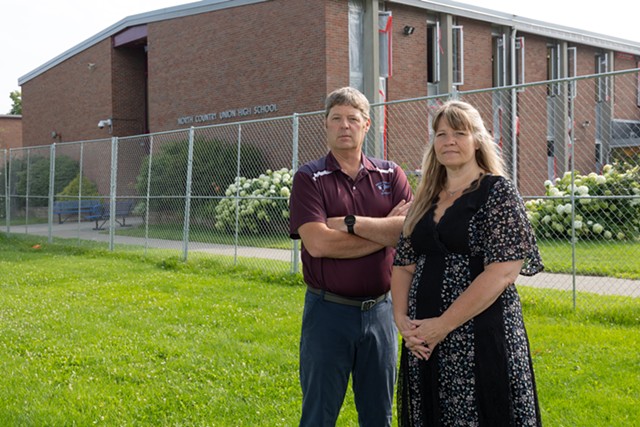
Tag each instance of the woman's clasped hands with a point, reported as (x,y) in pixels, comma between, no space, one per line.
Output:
(421,336)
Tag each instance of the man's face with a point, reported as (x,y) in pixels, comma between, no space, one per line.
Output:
(346,128)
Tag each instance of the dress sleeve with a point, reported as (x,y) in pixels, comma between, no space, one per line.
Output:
(405,255)
(503,232)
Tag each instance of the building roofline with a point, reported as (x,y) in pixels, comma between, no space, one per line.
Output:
(519,23)
(527,25)
(10,116)
(179,11)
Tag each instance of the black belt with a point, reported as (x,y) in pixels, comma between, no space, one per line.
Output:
(365,305)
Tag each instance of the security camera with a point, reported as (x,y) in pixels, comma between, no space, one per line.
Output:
(103,123)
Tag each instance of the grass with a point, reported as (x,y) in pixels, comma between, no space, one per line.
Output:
(593,258)
(209,235)
(90,337)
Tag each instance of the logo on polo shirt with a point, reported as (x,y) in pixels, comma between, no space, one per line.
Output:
(384,187)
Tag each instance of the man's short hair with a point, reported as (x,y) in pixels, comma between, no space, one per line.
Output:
(347,96)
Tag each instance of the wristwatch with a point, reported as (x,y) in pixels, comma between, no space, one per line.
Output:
(350,221)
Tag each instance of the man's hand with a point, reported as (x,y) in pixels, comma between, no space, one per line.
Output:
(337,222)
(400,209)
(382,230)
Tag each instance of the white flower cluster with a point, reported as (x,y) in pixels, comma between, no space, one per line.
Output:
(596,211)
(262,204)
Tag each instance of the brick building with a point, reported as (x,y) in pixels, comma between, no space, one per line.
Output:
(10,131)
(218,61)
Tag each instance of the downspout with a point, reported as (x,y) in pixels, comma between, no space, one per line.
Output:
(514,105)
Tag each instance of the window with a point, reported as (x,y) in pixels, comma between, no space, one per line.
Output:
(356,44)
(499,61)
(385,45)
(638,86)
(520,62)
(602,83)
(553,69)
(434,50)
(572,57)
(458,54)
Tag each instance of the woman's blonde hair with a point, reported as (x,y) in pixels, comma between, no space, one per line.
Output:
(460,116)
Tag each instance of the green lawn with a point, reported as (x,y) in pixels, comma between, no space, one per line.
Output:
(209,235)
(593,258)
(90,337)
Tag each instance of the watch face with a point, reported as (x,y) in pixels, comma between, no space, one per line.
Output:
(350,220)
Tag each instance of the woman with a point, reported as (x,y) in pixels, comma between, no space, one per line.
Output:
(466,358)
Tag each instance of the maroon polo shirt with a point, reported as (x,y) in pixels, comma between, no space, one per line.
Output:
(321,190)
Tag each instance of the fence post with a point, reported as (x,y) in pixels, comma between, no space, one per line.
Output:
(148,196)
(514,137)
(572,165)
(52,180)
(454,94)
(295,253)
(9,194)
(112,191)
(237,227)
(80,174)
(187,199)
(27,193)
(5,171)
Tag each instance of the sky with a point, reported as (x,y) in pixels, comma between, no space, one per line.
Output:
(33,32)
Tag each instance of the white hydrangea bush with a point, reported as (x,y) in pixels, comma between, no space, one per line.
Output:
(262,203)
(611,218)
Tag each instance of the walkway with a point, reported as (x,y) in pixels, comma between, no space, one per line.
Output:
(84,231)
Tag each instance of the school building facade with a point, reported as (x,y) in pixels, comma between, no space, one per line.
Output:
(218,61)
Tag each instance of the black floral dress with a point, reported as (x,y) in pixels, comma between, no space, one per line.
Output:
(481,374)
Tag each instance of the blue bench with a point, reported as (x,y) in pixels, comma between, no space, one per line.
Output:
(66,209)
(102,214)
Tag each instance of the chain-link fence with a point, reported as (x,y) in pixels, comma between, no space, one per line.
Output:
(572,147)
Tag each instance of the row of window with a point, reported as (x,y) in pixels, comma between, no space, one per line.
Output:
(435,52)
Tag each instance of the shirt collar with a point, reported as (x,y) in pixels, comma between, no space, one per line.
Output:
(333,165)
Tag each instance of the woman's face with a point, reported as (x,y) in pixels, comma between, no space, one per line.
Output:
(454,148)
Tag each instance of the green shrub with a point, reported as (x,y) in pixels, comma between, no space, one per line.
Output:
(214,167)
(263,203)
(607,217)
(36,174)
(72,190)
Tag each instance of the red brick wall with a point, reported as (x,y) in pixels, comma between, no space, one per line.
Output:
(128,70)
(478,64)
(10,131)
(336,50)
(626,88)
(69,98)
(267,53)
(409,78)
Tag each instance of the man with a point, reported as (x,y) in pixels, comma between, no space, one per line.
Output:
(348,210)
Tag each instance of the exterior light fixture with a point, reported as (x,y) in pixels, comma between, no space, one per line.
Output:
(408,30)
(105,123)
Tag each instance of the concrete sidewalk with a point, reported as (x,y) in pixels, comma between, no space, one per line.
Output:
(85,231)
(593,284)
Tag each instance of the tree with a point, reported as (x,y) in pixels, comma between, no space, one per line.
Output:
(33,178)
(16,107)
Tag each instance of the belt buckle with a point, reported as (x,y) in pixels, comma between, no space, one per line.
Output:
(368,304)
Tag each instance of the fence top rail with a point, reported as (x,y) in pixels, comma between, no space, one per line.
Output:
(452,94)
